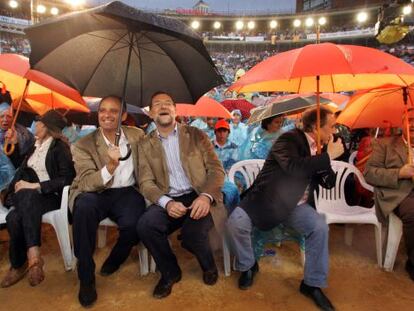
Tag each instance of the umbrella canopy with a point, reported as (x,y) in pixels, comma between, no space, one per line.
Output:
(282,107)
(43,92)
(339,68)
(377,108)
(119,50)
(204,107)
(93,105)
(241,104)
(338,99)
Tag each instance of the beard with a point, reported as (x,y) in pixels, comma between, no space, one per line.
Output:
(163,121)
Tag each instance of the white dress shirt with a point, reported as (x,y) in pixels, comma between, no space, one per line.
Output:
(123,175)
(37,160)
(313,150)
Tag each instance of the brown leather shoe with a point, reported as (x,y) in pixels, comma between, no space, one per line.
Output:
(36,274)
(13,276)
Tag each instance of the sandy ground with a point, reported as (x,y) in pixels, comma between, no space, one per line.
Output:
(355,282)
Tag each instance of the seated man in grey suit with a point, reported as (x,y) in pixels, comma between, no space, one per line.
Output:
(391,175)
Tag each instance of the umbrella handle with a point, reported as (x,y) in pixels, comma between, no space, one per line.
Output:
(8,148)
(127,155)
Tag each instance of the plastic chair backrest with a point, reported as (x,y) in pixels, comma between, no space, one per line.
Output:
(248,168)
(336,195)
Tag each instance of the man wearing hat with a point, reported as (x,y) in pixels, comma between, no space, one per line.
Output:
(227,153)
(36,190)
(226,150)
(22,139)
(238,133)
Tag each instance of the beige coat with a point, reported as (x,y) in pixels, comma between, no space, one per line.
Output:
(200,163)
(90,156)
(388,156)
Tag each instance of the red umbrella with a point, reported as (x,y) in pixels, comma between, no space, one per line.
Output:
(241,104)
(204,107)
(325,67)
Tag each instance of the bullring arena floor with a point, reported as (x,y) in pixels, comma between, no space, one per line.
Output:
(355,282)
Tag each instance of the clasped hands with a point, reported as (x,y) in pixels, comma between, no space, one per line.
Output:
(199,208)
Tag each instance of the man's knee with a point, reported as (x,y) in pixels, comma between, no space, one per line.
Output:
(238,221)
(149,223)
(84,208)
(320,226)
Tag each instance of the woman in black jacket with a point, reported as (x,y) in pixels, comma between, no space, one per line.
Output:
(37,190)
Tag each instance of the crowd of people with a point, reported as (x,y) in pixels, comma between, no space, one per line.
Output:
(181,166)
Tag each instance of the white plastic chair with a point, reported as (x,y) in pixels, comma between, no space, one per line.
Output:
(352,157)
(332,203)
(249,169)
(142,251)
(59,220)
(395,229)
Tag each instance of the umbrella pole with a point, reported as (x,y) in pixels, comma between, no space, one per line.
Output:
(407,126)
(8,147)
(318,117)
(123,102)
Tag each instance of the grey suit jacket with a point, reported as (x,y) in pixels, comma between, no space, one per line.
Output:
(388,156)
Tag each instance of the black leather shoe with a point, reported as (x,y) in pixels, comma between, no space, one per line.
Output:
(163,288)
(210,277)
(108,268)
(318,297)
(87,294)
(246,277)
(409,267)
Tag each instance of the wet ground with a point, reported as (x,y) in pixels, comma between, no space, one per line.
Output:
(355,282)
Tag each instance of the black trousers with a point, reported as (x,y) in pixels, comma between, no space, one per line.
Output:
(24,222)
(124,206)
(155,226)
(405,211)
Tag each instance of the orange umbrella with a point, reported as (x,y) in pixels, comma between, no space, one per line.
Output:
(377,108)
(325,67)
(380,108)
(40,91)
(204,107)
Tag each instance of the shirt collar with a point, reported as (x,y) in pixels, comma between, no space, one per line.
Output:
(173,133)
(122,139)
(44,143)
(311,141)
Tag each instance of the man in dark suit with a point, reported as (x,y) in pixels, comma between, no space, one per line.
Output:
(281,193)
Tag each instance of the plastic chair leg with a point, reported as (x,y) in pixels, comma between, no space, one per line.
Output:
(378,242)
(393,241)
(226,258)
(102,236)
(60,224)
(143,260)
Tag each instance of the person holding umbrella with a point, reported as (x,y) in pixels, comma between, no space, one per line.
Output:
(281,194)
(391,172)
(105,187)
(181,175)
(18,135)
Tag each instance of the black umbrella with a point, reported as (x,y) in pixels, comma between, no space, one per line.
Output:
(117,49)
